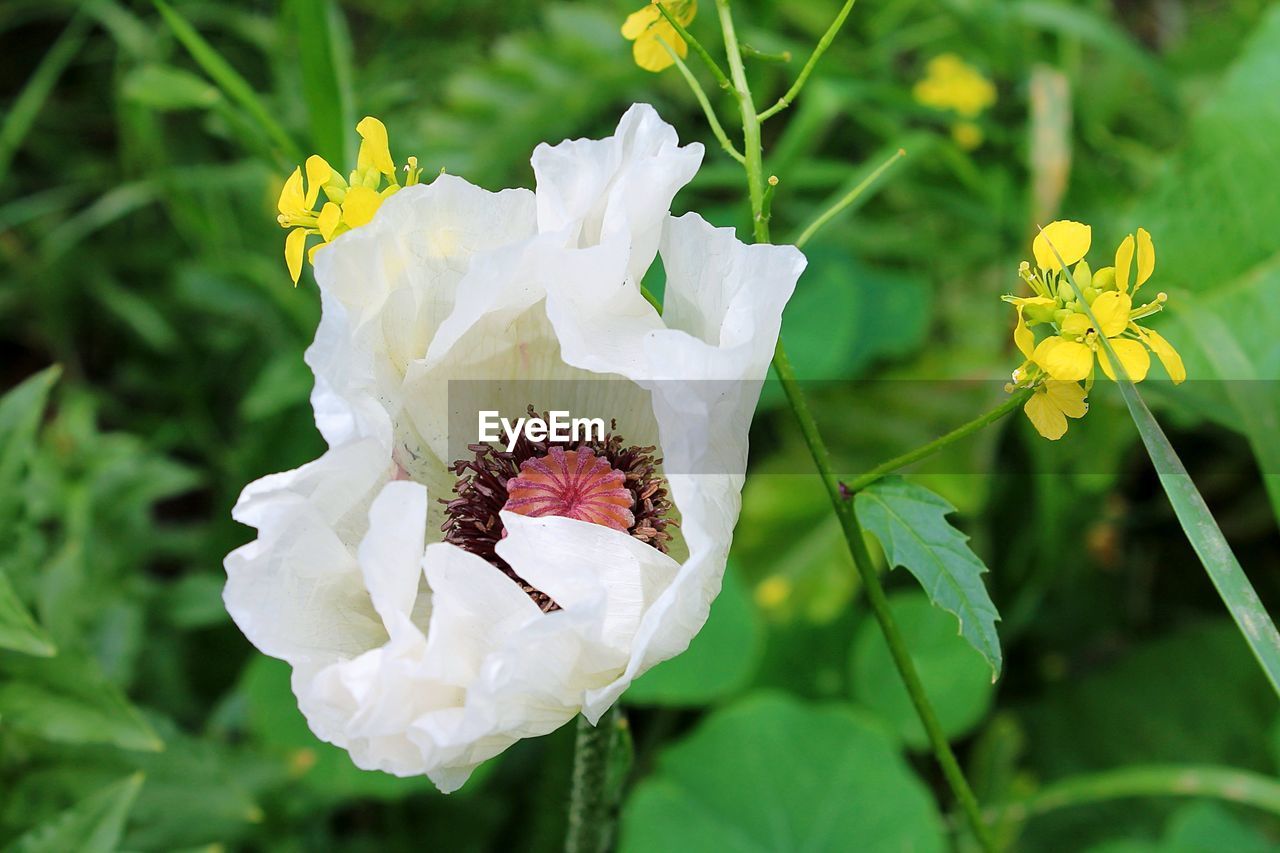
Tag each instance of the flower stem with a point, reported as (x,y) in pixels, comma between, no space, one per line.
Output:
(700,94)
(591,813)
(716,71)
(754,166)
(926,450)
(823,43)
(848,199)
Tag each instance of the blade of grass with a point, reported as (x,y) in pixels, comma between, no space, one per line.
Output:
(324,62)
(228,79)
(22,114)
(1193,514)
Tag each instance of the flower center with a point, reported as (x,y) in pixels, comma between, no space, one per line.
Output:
(602,482)
(574,483)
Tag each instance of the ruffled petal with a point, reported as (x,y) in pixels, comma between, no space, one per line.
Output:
(590,190)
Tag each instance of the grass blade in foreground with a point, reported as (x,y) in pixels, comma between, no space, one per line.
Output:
(228,79)
(1193,514)
(1206,538)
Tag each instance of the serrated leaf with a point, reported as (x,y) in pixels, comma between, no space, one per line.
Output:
(18,631)
(66,699)
(911,523)
(92,825)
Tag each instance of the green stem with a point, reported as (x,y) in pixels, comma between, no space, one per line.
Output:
(700,94)
(823,43)
(754,166)
(753,151)
(880,603)
(591,814)
(755,53)
(848,199)
(716,71)
(1224,783)
(926,450)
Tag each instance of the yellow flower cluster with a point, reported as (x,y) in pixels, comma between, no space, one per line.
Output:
(1059,361)
(951,84)
(647,29)
(351,201)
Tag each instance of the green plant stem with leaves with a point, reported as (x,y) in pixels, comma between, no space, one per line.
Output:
(756,189)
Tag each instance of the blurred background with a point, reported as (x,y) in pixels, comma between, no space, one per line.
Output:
(139,254)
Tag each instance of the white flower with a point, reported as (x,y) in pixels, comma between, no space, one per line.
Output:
(421,656)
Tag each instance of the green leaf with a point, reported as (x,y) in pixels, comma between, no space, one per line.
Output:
(1215,238)
(66,699)
(163,87)
(93,825)
(227,78)
(911,523)
(1193,514)
(772,773)
(720,661)
(18,631)
(20,412)
(954,675)
(325,67)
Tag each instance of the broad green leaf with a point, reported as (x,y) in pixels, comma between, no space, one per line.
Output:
(720,660)
(772,773)
(325,67)
(66,699)
(18,631)
(911,523)
(955,677)
(93,825)
(227,78)
(163,87)
(1216,238)
(846,315)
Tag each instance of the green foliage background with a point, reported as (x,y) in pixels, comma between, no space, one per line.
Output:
(139,253)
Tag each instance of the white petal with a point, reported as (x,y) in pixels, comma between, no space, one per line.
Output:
(622,185)
(297,591)
(390,554)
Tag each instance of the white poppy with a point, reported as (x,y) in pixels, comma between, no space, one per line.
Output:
(422,651)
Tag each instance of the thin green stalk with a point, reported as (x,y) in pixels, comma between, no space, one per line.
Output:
(228,79)
(705,103)
(716,71)
(848,199)
(926,450)
(755,53)
(591,814)
(1223,783)
(823,43)
(22,115)
(753,151)
(754,166)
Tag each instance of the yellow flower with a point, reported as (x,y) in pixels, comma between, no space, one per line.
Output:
(952,85)
(1051,404)
(1068,355)
(648,29)
(352,202)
